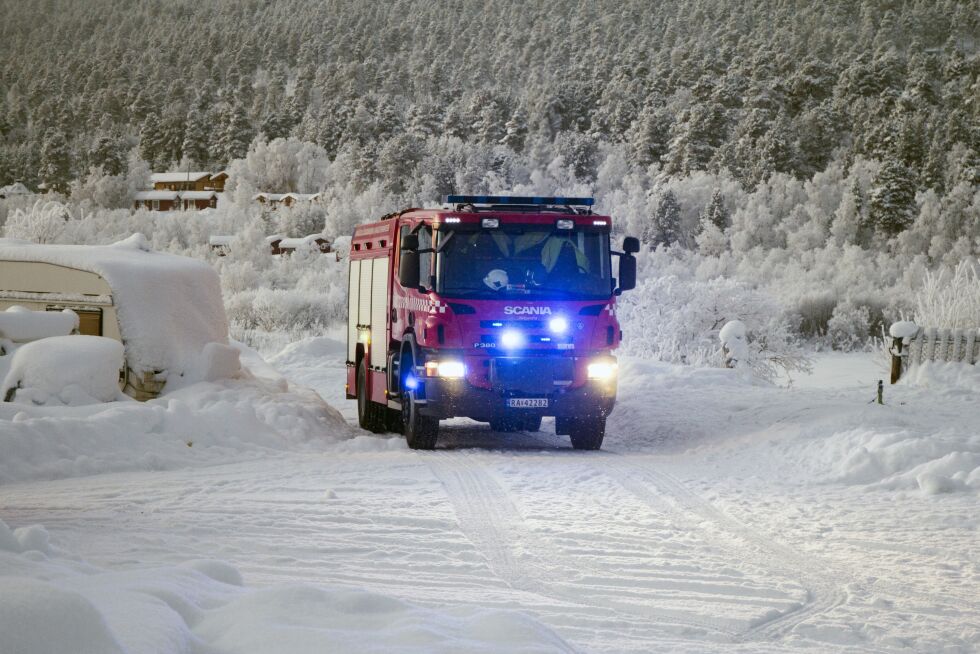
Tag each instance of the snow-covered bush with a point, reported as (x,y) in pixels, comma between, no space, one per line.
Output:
(950,298)
(42,223)
(849,327)
(678,321)
(71,370)
(283,310)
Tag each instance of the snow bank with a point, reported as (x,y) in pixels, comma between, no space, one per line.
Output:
(924,438)
(67,370)
(50,602)
(20,324)
(205,423)
(169,307)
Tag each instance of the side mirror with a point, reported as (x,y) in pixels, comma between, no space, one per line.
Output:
(631,245)
(410,242)
(408,269)
(627,272)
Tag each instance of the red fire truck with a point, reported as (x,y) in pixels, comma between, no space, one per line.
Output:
(497,308)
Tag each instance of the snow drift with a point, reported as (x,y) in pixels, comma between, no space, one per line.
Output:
(51,602)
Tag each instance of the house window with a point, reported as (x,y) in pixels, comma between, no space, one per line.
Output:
(156,205)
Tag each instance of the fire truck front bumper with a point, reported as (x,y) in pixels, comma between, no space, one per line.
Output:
(448,398)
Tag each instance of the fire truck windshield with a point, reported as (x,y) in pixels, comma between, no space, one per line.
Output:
(523,260)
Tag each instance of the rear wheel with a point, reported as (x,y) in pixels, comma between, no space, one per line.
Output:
(370,415)
(587,433)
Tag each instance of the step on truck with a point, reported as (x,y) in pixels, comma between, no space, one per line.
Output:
(497,308)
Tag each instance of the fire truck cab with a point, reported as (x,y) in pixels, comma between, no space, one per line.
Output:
(497,308)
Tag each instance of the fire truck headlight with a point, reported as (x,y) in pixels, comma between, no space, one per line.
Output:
(558,325)
(511,339)
(602,370)
(446,369)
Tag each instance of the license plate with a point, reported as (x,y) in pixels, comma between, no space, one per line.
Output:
(527,402)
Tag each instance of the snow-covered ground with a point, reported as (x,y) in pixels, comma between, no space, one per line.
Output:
(721,515)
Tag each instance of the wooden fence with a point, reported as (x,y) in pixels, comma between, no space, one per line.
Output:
(931,344)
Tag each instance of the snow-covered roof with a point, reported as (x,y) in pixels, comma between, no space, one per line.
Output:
(219,174)
(14,189)
(155,195)
(173,178)
(306,197)
(197,195)
(273,238)
(169,307)
(271,197)
(220,239)
(293,243)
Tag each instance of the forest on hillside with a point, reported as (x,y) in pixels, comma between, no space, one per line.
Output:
(752,87)
(814,161)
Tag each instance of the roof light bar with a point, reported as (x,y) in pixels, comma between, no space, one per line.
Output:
(518,199)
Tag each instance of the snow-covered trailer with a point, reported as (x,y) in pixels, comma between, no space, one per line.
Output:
(164,308)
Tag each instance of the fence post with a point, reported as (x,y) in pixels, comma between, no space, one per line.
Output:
(896,351)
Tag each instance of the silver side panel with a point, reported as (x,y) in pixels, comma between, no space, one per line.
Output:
(379,312)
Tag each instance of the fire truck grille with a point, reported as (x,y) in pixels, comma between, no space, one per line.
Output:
(532,375)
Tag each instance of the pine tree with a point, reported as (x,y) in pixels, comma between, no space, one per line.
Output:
(55,170)
(891,207)
(667,220)
(515,131)
(109,153)
(195,146)
(715,212)
(151,145)
(235,135)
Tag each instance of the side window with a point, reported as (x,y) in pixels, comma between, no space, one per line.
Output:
(425,258)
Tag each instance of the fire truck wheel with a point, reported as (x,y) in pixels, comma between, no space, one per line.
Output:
(370,415)
(587,433)
(421,432)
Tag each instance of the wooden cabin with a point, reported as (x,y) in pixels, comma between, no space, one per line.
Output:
(178,181)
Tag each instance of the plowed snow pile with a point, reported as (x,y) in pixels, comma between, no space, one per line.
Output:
(205,423)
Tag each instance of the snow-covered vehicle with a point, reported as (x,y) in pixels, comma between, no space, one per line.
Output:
(165,309)
(502,309)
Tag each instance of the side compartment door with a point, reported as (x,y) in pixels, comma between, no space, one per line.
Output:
(353,308)
(379,312)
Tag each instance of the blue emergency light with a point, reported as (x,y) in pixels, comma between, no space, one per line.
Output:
(518,199)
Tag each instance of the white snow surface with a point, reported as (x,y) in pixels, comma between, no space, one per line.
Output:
(721,515)
(20,324)
(66,370)
(169,307)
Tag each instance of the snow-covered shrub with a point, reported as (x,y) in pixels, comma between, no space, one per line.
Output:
(70,370)
(678,321)
(283,310)
(949,298)
(42,223)
(849,327)
(815,312)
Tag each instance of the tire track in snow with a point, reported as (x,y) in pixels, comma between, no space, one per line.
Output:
(823,592)
(492,522)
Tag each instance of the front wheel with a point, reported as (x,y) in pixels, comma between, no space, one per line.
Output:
(587,433)
(421,432)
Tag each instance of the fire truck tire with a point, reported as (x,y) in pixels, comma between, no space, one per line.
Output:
(421,432)
(370,415)
(587,433)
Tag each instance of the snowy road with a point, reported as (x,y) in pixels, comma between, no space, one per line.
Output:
(674,538)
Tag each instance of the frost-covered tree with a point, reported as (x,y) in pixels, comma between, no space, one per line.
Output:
(892,201)
(666,221)
(55,170)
